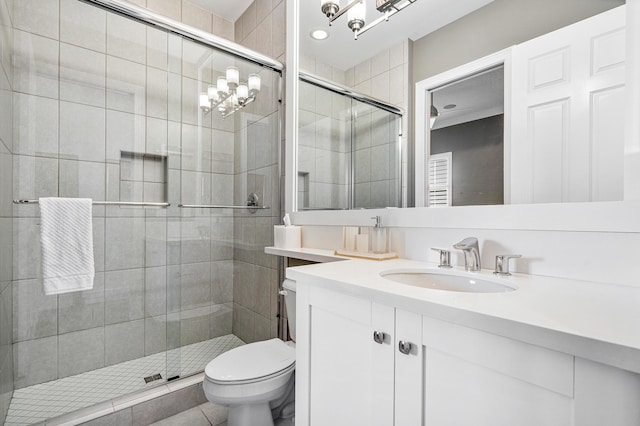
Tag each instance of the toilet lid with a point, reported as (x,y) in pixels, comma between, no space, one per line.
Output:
(252,361)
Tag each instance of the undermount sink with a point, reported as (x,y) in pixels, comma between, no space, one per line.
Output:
(445,282)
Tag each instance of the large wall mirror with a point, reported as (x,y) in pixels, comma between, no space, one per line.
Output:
(420,42)
(372,169)
(540,122)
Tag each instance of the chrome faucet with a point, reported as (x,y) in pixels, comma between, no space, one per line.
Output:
(469,247)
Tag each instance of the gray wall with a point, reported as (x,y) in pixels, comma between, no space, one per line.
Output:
(497,26)
(477,160)
(6,220)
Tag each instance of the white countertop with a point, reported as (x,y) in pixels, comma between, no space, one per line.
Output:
(596,321)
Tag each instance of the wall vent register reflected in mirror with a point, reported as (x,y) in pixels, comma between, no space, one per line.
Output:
(348,149)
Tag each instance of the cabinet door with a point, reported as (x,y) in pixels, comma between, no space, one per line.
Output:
(476,378)
(408,365)
(350,375)
(606,395)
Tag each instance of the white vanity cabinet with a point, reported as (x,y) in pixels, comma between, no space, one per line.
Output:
(346,376)
(452,374)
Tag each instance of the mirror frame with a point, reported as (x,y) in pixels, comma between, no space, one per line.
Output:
(616,216)
(290,158)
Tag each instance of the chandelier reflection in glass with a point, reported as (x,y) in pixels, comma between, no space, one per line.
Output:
(229,94)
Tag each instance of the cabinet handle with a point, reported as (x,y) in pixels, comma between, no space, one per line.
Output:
(404,347)
(378,337)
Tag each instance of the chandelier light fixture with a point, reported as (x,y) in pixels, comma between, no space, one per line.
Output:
(230,94)
(357,12)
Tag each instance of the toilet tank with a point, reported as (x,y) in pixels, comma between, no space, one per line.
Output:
(289,293)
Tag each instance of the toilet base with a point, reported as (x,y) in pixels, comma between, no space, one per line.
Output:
(250,415)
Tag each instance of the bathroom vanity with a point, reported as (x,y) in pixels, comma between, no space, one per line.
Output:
(373,351)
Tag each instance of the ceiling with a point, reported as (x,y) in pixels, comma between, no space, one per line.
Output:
(228,9)
(340,49)
(475,97)
(343,52)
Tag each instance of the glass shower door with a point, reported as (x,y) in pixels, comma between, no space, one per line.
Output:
(348,150)
(324,149)
(377,157)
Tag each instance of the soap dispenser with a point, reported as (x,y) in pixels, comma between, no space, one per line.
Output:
(378,236)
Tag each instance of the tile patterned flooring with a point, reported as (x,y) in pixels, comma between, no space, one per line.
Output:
(46,400)
(207,414)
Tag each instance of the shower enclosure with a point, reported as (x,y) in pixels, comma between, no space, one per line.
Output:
(101,99)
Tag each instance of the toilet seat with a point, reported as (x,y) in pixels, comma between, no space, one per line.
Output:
(252,363)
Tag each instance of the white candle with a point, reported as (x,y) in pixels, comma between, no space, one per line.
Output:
(362,243)
(254,82)
(349,233)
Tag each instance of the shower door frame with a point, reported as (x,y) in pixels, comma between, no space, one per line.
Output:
(155,20)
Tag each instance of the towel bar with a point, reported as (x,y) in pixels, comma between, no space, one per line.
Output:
(107,203)
(210,206)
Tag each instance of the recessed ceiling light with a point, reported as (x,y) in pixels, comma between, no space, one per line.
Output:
(319,34)
(450,106)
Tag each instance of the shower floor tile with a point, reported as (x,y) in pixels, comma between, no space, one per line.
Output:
(46,400)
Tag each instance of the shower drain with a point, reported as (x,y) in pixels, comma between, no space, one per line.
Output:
(152,378)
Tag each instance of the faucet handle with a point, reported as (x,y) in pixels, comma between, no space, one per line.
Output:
(445,257)
(502,264)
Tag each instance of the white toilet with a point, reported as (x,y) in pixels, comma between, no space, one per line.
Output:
(256,380)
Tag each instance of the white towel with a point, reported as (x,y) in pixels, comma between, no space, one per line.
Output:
(66,238)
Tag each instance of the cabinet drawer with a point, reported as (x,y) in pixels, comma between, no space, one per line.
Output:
(349,307)
(532,364)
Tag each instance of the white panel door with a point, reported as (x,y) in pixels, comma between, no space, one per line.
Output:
(567,113)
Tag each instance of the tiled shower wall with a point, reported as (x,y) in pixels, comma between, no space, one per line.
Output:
(384,76)
(165,277)
(324,137)
(255,283)
(191,14)
(6,221)
(262,28)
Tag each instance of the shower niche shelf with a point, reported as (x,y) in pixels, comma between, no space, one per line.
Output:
(143,176)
